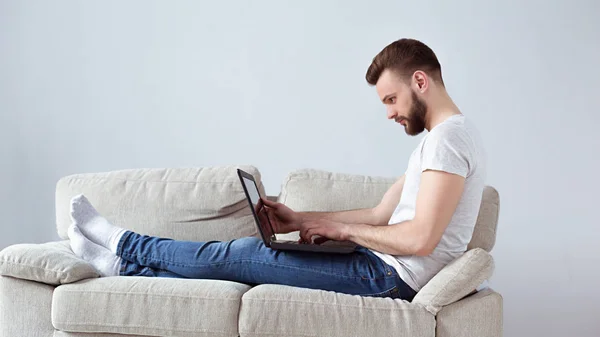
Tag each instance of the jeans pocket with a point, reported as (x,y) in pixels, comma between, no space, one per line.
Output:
(375,268)
(391,293)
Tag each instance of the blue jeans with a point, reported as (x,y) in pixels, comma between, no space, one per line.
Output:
(249,261)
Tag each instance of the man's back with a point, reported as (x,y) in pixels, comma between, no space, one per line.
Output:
(453,146)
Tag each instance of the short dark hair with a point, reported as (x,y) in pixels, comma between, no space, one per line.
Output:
(405,56)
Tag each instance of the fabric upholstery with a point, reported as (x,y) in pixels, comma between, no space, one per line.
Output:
(25,308)
(197,204)
(484,235)
(51,263)
(149,306)
(276,310)
(479,315)
(310,190)
(315,190)
(456,280)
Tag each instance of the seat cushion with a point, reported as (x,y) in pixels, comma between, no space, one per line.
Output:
(58,333)
(196,204)
(276,310)
(149,306)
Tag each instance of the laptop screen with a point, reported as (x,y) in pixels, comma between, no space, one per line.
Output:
(259,208)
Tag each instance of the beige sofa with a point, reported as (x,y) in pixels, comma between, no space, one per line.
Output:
(45,290)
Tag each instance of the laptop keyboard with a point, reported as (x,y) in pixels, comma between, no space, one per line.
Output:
(326,243)
(288,241)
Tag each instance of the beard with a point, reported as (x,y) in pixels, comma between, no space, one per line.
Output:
(415,122)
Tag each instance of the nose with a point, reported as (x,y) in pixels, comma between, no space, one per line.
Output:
(391,113)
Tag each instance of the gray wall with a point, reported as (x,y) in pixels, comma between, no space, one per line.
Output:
(105,85)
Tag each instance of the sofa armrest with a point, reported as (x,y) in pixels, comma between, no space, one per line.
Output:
(25,308)
(51,263)
(457,280)
(477,315)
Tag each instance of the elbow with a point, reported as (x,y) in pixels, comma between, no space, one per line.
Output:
(423,251)
(377,218)
(424,247)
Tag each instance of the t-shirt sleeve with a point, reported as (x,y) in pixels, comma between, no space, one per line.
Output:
(446,150)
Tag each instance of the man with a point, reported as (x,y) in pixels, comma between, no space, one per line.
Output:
(424,221)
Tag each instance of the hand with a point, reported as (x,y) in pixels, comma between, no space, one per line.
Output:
(327,229)
(283,219)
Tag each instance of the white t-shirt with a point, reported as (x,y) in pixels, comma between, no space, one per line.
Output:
(452,146)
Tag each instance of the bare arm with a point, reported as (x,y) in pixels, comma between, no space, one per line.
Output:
(439,194)
(364,215)
(376,216)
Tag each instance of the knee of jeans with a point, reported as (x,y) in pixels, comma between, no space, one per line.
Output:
(249,241)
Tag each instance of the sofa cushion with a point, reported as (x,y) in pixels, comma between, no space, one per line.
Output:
(58,333)
(197,204)
(316,190)
(484,234)
(149,306)
(276,310)
(456,280)
(51,263)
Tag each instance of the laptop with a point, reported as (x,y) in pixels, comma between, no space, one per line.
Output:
(266,229)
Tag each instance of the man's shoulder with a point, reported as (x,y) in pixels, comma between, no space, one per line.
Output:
(455,138)
(455,134)
(453,127)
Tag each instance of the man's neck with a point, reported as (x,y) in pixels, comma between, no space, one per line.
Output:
(439,109)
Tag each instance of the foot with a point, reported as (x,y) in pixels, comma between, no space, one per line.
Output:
(94,226)
(102,259)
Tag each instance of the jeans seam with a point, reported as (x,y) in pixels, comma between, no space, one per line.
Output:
(385,293)
(124,238)
(123,267)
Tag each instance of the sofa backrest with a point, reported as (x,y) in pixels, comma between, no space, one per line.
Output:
(196,204)
(315,190)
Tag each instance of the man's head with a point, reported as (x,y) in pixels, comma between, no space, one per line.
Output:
(405,73)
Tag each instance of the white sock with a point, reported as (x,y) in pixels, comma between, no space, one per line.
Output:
(107,263)
(94,226)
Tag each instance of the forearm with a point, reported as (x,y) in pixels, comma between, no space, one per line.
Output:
(398,239)
(357,216)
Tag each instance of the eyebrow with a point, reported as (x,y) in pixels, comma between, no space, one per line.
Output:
(387,97)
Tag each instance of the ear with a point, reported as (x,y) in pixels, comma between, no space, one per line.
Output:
(420,81)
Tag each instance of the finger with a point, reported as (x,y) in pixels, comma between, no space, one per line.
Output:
(273,222)
(304,235)
(321,240)
(301,240)
(270,203)
(309,235)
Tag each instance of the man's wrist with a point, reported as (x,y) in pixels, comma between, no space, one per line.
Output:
(299,220)
(352,232)
(301,217)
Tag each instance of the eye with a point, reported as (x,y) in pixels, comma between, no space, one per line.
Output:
(393,100)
